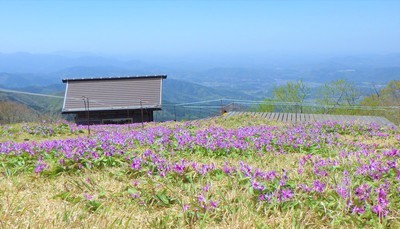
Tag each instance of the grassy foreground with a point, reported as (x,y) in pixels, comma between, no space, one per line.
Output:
(240,172)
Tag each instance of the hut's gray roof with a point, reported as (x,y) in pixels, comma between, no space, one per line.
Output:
(113,93)
(114,78)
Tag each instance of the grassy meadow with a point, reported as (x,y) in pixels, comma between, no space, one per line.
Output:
(239,172)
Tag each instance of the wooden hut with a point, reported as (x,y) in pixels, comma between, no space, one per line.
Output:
(113,100)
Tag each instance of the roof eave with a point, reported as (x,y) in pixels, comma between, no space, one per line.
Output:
(115,78)
(71,111)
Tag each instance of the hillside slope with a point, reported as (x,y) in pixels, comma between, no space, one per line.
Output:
(238,172)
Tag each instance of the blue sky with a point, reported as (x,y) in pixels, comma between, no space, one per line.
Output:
(180,28)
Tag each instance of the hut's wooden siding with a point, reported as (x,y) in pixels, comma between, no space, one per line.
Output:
(118,94)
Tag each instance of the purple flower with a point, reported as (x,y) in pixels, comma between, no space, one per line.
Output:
(257,186)
(358,210)
(304,187)
(380,210)
(227,170)
(147,153)
(342,192)
(135,195)
(265,197)
(206,188)
(136,164)
(381,193)
(300,171)
(201,199)
(270,175)
(318,186)
(40,167)
(185,207)
(391,164)
(284,178)
(194,165)
(380,207)
(213,204)
(135,183)
(346,179)
(286,194)
(393,152)
(179,167)
(87,196)
(162,174)
(320,172)
(245,169)
(362,192)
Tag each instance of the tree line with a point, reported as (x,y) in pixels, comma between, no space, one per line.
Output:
(336,97)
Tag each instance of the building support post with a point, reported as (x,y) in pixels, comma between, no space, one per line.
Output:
(86,103)
(141,111)
(127,113)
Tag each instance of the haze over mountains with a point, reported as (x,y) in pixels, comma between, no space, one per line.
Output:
(197,79)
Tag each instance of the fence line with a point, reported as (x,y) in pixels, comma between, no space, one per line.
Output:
(210,108)
(214,107)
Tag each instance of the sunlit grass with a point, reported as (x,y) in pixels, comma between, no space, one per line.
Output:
(188,174)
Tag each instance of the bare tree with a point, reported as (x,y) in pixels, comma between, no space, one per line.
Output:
(11,112)
(338,93)
(292,92)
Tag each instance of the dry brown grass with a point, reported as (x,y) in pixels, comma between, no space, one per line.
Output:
(30,201)
(37,201)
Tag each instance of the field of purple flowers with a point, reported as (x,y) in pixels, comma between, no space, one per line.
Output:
(237,172)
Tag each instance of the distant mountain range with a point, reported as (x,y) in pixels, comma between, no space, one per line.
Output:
(42,73)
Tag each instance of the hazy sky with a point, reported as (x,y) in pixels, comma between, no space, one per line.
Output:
(179,28)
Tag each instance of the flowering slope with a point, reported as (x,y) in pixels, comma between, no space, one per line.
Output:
(221,172)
